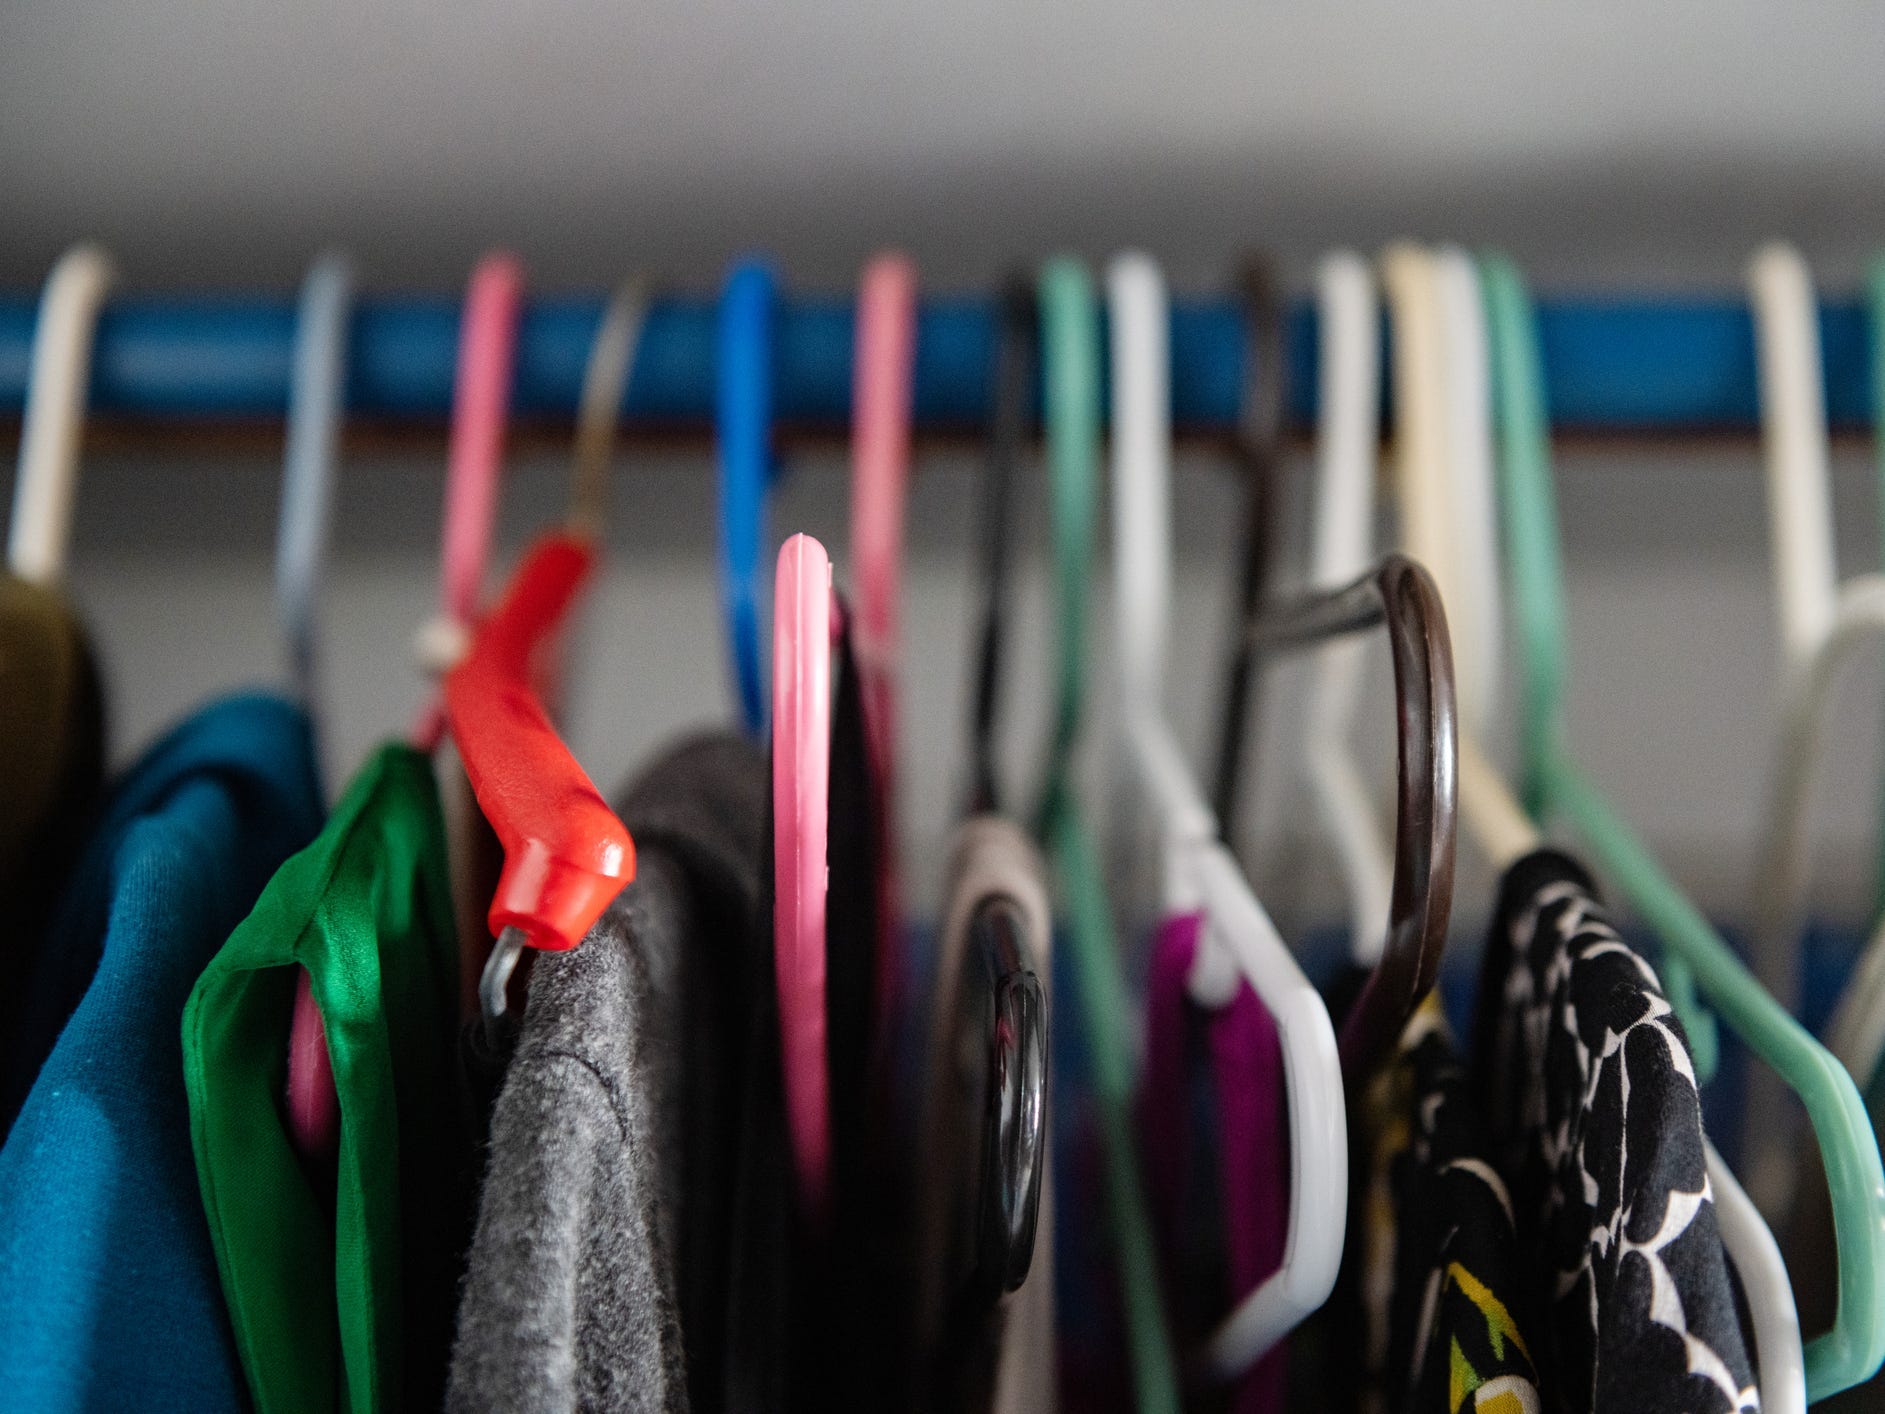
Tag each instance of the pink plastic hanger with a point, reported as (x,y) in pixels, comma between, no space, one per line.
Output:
(880,457)
(566,855)
(487,345)
(481,395)
(804,622)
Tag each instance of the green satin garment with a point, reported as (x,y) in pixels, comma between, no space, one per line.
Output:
(341,1287)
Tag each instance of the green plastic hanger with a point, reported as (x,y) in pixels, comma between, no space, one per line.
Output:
(1070,344)
(1854,1348)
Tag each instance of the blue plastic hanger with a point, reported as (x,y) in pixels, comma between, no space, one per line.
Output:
(744,418)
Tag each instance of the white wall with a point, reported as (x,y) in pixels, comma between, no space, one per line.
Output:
(1611,140)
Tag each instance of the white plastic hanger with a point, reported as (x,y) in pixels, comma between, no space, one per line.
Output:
(1476,619)
(1341,547)
(1823,623)
(1452,545)
(1198,873)
(1820,620)
(316,393)
(56,390)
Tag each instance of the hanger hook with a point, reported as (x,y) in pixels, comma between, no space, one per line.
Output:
(1401,595)
(1259,446)
(54,423)
(316,402)
(746,319)
(1012,397)
(606,378)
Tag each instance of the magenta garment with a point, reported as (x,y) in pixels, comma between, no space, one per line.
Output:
(1246,1058)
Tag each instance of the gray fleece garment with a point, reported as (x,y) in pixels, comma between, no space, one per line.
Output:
(571,1301)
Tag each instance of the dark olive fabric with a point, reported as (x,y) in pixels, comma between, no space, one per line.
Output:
(51,763)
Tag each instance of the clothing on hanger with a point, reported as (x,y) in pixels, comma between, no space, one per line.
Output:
(1220,1239)
(984,1346)
(339,1280)
(108,1289)
(1442,1290)
(52,730)
(596,1278)
(1590,1096)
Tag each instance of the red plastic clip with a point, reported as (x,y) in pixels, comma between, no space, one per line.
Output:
(566,855)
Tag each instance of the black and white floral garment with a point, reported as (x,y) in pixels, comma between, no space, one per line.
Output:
(1589,1090)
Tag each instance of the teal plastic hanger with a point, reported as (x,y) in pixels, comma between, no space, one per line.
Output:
(1070,368)
(1555,784)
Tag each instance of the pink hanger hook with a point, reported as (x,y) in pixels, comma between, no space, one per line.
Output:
(803,620)
(880,453)
(487,357)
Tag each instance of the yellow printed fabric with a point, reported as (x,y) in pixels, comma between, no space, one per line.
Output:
(1443,1321)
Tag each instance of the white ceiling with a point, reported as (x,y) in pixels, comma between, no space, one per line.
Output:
(223,140)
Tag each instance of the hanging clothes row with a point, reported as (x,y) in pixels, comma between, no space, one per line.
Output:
(478,1089)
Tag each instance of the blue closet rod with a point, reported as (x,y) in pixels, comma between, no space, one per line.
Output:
(1642,366)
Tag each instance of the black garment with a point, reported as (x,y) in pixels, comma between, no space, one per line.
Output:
(1443,1292)
(1589,1089)
(851,1289)
(817,1321)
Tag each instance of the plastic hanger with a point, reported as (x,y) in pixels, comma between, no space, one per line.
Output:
(1260,458)
(1476,620)
(316,398)
(805,619)
(1070,365)
(481,391)
(880,438)
(1198,874)
(1447,484)
(316,395)
(53,425)
(744,429)
(1016,360)
(1427,424)
(566,855)
(1875,323)
(480,400)
(1853,1348)
(1821,621)
(1341,546)
(1010,922)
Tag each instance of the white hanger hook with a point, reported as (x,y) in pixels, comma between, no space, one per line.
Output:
(1137,312)
(55,414)
(1475,619)
(1342,546)
(1794,443)
(316,401)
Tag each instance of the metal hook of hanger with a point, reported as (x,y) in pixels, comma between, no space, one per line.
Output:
(538,596)
(1401,596)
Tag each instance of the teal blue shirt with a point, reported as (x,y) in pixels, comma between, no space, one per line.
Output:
(109,1297)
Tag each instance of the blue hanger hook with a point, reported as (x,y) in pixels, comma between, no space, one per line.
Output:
(744,415)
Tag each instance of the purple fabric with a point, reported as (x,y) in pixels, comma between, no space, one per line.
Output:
(1252,1135)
